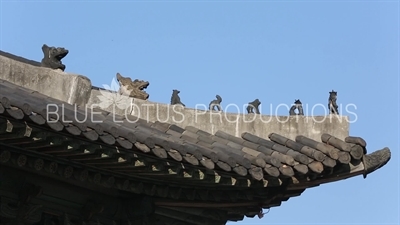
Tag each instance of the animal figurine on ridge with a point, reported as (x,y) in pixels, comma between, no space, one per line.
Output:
(332,105)
(175,99)
(253,106)
(52,57)
(297,105)
(134,89)
(216,103)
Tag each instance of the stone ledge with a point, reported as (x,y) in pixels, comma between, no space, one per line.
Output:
(77,89)
(232,123)
(71,88)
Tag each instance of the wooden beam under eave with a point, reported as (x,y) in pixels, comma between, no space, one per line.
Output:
(136,187)
(57,174)
(164,220)
(272,182)
(344,172)
(145,168)
(217,215)
(110,162)
(35,135)
(204,195)
(196,179)
(64,147)
(193,204)
(122,184)
(194,174)
(293,194)
(150,189)
(11,129)
(88,157)
(50,141)
(175,192)
(186,217)
(17,139)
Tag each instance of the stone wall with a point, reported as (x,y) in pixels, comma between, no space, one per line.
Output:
(71,88)
(232,123)
(77,89)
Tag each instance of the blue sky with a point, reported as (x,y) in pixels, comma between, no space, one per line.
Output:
(277,51)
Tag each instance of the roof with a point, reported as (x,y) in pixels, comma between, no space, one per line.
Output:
(179,167)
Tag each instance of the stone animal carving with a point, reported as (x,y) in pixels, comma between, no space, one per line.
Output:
(175,99)
(134,89)
(297,105)
(52,57)
(254,106)
(216,103)
(332,105)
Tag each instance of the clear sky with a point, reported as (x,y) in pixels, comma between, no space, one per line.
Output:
(277,51)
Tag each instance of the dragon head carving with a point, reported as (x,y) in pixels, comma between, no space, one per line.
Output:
(53,56)
(134,89)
